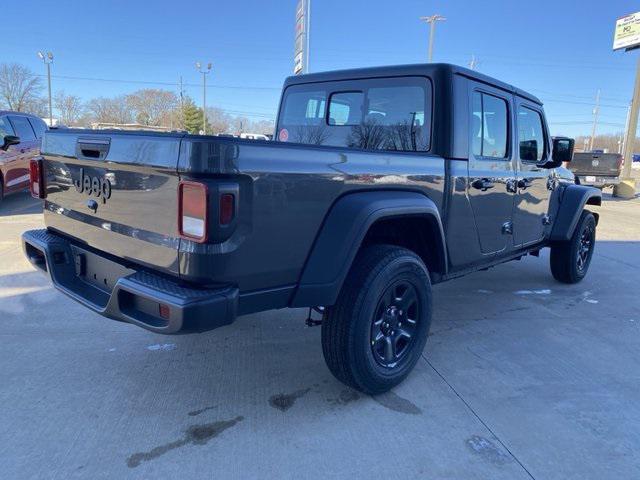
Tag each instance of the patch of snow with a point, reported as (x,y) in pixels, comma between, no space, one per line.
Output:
(162,346)
(544,291)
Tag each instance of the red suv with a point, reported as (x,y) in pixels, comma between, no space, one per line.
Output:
(20,136)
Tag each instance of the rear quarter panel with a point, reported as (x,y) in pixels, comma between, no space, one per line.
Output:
(286,192)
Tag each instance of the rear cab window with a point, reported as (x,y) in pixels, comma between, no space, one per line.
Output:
(373,114)
(38,125)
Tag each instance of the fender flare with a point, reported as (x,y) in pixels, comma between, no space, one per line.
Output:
(341,235)
(572,203)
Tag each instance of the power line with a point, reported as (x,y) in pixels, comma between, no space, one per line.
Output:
(587,122)
(571,95)
(573,102)
(168,84)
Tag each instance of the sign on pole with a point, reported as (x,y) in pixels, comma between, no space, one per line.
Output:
(627,33)
(300,54)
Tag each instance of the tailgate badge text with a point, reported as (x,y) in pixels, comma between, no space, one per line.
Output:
(98,187)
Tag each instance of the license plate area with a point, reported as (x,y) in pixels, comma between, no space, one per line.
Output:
(97,271)
(590,178)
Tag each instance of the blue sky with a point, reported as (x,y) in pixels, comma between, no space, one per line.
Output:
(558,50)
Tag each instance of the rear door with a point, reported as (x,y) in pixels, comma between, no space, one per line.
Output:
(115,192)
(491,167)
(534,183)
(17,170)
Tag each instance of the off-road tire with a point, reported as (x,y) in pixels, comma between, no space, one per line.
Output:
(379,273)
(569,260)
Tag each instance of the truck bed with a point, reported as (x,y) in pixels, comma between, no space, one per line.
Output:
(284,190)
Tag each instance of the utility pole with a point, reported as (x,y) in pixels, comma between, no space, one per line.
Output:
(432,28)
(204,73)
(596,111)
(48,59)
(307,35)
(627,187)
(181,93)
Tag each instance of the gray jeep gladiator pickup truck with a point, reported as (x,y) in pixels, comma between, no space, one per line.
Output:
(381,183)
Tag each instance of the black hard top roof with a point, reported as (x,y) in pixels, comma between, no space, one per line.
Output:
(431,69)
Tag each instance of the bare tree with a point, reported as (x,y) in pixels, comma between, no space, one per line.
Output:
(38,106)
(312,134)
(69,106)
(266,127)
(217,121)
(19,87)
(153,106)
(110,110)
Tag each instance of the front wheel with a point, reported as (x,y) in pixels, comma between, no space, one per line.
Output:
(570,260)
(375,333)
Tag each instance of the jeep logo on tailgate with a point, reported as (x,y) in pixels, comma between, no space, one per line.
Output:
(98,187)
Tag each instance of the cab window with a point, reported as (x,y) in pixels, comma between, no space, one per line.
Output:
(22,128)
(374,114)
(5,128)
(531,137)
(38,126)
(489,126)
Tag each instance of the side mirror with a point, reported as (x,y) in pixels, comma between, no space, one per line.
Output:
(10,140)
(562,152)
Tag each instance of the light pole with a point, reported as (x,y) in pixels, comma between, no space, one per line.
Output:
(204,73)
(627,186)
(596,112)
(48,59)
(432,28)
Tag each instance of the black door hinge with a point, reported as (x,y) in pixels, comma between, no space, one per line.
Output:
(507,228)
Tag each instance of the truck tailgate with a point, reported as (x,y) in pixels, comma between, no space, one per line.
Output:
(116,192)
(607,164)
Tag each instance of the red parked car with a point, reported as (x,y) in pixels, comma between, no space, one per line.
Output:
(20,136)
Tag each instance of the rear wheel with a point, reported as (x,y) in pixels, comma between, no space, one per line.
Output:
(570,260)
(375,333)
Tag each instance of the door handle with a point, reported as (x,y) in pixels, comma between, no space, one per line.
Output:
(483,184)
(524,183)
(92,148)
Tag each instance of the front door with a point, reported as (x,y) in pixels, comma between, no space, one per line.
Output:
(492,174)
(534,183)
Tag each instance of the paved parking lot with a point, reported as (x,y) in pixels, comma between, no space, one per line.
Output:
(522,377)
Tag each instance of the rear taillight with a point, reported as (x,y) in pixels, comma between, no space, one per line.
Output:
(36,177)
(193,211)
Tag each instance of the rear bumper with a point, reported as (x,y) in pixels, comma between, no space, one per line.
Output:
(144,299)
(598,181)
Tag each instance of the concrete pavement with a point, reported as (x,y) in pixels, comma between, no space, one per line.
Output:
(522,378)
